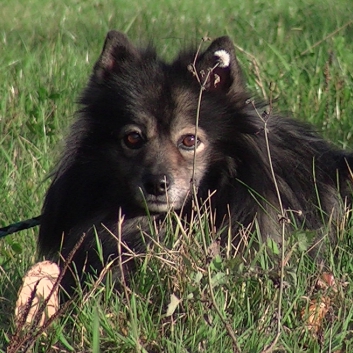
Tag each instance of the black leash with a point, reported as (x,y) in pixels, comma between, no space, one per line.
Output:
(16,227)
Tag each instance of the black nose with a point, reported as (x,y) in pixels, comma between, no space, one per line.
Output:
(156,184)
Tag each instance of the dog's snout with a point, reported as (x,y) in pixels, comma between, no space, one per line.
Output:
(156,184)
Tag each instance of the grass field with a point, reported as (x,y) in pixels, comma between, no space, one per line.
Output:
(303,49)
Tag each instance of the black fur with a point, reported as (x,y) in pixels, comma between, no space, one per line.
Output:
(127,139)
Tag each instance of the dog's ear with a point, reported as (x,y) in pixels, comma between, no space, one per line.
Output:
(218,68)
(117,49)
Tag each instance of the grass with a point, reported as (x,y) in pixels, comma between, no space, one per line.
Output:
(47,51)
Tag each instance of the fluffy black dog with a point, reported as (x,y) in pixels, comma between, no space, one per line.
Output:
(135,149)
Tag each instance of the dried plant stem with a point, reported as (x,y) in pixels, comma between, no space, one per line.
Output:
(138,346)
(256,65)
(326,37)
(202,89)
(197,205)
(283,221)
(236,348)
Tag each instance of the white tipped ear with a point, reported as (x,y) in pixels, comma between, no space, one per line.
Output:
(223,58)
(225,75)
(117,49)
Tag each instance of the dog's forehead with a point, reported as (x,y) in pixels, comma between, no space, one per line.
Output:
(162,94)
(168,116)
(184,106)
(158,97)
(177,111)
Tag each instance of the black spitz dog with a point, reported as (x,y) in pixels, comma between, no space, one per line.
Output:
(143,139)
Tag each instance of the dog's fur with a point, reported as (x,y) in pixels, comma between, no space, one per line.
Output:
(132,149)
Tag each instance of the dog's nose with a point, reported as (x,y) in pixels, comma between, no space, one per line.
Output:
(156,184)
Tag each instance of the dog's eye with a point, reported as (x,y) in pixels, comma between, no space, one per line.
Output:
(188,142)
(133,140)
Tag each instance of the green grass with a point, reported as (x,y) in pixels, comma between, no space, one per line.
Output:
(47,50)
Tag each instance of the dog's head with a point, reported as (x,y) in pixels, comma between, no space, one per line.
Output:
(155,126)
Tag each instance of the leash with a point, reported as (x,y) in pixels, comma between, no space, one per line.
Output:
(22,225)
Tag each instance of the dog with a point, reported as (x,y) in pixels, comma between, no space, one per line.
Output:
(152,136)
